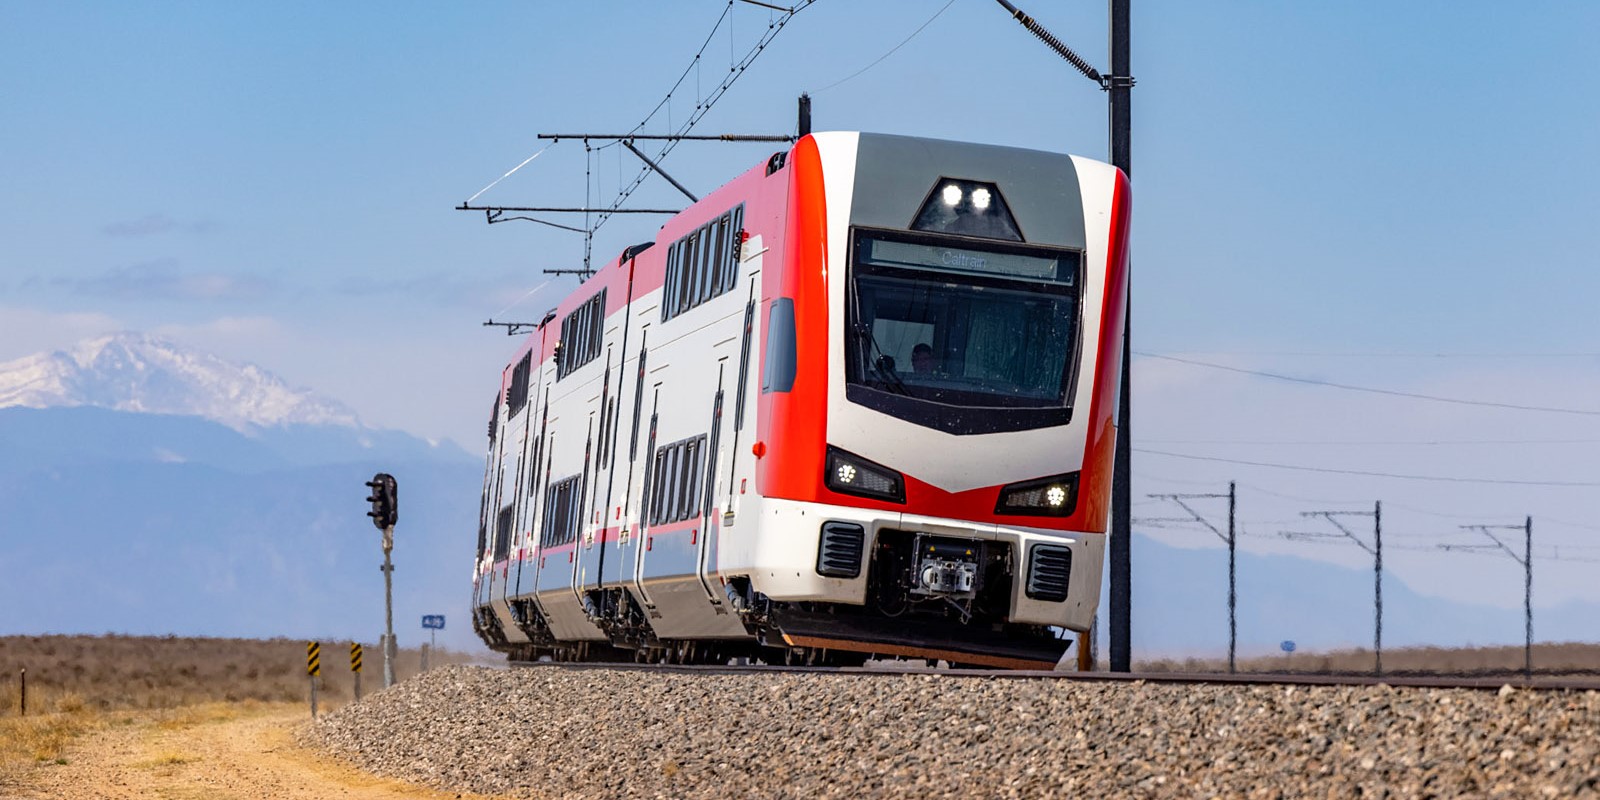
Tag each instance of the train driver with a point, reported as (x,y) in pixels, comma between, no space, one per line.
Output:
(922,360)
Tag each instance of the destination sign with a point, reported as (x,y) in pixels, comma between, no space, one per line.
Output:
(958,259)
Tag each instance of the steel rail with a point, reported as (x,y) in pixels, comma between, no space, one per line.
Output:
(1479,682)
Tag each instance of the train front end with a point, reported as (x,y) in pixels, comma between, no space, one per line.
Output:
(940,376)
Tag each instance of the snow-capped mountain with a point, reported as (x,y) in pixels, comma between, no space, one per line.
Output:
(140,373)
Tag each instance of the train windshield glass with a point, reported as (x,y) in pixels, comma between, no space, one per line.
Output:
(986,326)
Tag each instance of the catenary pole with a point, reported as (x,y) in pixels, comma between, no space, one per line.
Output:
(1120,93)
(1526,560)
(1527,597)
(1118,85)
(1376,551)
(1377,585)
(1233,601)
(1229,539)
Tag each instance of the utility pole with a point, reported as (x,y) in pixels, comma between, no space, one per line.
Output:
(1120,95)
(1527,577)
(1229,539)
(1377,565)
(1118,86)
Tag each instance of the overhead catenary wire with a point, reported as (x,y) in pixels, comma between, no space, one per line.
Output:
(1371,442)
(1377,354)
(703,104)
(1143,476)
(1369,473)
(1370,389)
(880,59)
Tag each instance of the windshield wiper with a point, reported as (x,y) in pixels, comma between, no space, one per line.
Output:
(889,380)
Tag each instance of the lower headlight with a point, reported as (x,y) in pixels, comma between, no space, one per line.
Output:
(1055,496)
(847,473)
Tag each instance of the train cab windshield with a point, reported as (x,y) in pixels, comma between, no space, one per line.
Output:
(961,335)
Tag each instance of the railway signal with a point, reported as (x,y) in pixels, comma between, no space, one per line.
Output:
(385,500)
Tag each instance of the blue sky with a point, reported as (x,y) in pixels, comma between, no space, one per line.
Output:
(1361,181)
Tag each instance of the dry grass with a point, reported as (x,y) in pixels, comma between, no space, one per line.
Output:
(78,684)
(103,673)
(1567,658)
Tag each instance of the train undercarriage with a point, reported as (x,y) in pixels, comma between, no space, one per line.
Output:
(928,597)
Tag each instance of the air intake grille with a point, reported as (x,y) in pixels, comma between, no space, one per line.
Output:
(1049,568)
(839,555)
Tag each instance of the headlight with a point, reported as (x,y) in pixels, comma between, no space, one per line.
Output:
(1055,496)
(848,473)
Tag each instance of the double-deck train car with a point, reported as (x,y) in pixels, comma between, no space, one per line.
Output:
(859,400)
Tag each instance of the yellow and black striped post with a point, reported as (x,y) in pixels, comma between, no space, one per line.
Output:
(313,671)
(355,666)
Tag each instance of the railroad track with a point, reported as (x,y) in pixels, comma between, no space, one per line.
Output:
(1482,682)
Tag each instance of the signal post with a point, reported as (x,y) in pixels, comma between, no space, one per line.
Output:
(385,500)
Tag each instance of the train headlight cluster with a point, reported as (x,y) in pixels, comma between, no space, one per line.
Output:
(1055,496)
(980,196)
(967,208)
(848,473)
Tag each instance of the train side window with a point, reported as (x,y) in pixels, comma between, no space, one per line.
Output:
(674,263)
(517,395)
(658,480)
(702,265)
(674,481)
(560,513)
(690,480)
(502,536)
(658,494)
(709,262)
(780,367)
(569,515)
(691,254)
(582,332)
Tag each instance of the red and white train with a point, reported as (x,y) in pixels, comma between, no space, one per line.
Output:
(859,400)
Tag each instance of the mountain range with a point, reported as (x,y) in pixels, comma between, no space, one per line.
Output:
(143,374)
(149,488)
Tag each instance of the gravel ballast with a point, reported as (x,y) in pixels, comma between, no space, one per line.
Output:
(547,732)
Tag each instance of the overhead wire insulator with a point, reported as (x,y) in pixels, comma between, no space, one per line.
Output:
(1055,44)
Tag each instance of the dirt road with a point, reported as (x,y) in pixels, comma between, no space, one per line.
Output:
(207,752)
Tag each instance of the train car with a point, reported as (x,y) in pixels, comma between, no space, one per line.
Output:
(859,400)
